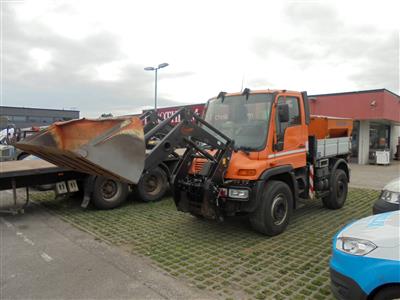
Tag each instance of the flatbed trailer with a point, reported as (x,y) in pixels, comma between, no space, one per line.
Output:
(28,173)
(105,192)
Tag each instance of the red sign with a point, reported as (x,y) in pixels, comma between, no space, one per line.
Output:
(167,112)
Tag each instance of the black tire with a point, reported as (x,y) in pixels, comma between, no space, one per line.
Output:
(152,185)
(45,187)
(388,293)
(22,156)
(108,193)
(197,216)
(339,189)
(272,215)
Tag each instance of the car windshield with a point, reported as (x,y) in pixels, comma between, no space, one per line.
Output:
(243,120)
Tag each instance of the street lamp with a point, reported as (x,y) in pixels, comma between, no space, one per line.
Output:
(160,66)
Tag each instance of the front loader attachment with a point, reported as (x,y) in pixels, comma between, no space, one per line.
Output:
(113,148)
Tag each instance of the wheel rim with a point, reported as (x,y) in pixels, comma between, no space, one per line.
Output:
(109,189)
(279,209)
(152,184)
(340,189)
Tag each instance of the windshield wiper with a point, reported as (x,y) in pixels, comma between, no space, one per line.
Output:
(245,149)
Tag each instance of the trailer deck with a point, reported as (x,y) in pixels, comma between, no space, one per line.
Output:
(28,173)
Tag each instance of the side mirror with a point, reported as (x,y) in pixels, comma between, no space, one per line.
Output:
(283,113)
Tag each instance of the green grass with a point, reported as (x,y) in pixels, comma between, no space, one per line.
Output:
(229,259)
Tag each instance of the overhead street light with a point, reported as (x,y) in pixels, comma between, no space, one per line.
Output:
(160,66)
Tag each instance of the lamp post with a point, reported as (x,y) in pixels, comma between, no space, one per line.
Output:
(155,69)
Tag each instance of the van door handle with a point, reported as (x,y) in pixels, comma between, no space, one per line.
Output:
(302,146)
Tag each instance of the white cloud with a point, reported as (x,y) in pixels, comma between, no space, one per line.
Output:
(41,58)
(319,46)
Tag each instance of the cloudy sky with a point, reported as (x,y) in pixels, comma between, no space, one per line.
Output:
(90,55)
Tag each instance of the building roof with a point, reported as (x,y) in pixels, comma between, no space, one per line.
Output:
(356,92)
(37,108)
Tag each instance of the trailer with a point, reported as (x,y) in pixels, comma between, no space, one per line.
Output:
(255,153)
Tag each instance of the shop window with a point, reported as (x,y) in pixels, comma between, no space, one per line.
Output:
(379,136)
(46,120)
(19,118)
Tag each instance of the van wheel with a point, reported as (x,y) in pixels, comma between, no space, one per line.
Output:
(339,188)
(22,156)
(152,185)
(389,292)
(108,193)
(272,215)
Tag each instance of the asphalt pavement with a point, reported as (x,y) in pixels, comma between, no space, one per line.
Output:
(43,257)
(373,177)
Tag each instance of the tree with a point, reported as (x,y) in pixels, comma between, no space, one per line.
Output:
(109,115)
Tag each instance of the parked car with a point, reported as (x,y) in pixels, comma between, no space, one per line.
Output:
(8,137)
(389,199)
(365,261)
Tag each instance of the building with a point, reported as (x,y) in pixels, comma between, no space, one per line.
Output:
(376,115)
(23,117)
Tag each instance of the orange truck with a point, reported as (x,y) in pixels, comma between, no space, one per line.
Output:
(258,153)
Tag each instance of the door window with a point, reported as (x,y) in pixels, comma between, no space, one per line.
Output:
(294,115)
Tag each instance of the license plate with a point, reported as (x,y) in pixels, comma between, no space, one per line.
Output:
(72,186)
(61,187)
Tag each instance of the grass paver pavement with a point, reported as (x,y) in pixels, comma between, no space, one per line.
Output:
(229,259)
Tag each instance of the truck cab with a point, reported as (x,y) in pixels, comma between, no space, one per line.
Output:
(269,129)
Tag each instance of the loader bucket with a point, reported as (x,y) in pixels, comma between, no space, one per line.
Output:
(113,148)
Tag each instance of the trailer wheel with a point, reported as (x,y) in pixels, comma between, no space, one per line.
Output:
(152,185)
(108,193)
(339,188)
(272,215)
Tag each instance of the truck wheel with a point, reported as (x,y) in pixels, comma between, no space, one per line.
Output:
(152,185)
(272,215)
(389,292)
(338,194)
(108,193)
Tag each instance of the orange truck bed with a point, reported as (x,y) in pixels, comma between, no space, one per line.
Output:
(324,127)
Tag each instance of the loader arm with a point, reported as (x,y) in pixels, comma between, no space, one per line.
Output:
(200,139)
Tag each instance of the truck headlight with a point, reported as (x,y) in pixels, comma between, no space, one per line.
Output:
(354,246)
(392,197)
(238,194)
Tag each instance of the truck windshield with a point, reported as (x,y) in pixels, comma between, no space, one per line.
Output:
(243,120)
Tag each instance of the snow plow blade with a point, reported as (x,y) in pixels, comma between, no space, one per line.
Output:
(113,148)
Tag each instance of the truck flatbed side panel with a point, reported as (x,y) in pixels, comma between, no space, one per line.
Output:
(18,167)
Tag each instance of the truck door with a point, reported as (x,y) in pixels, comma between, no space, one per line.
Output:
(290,140)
